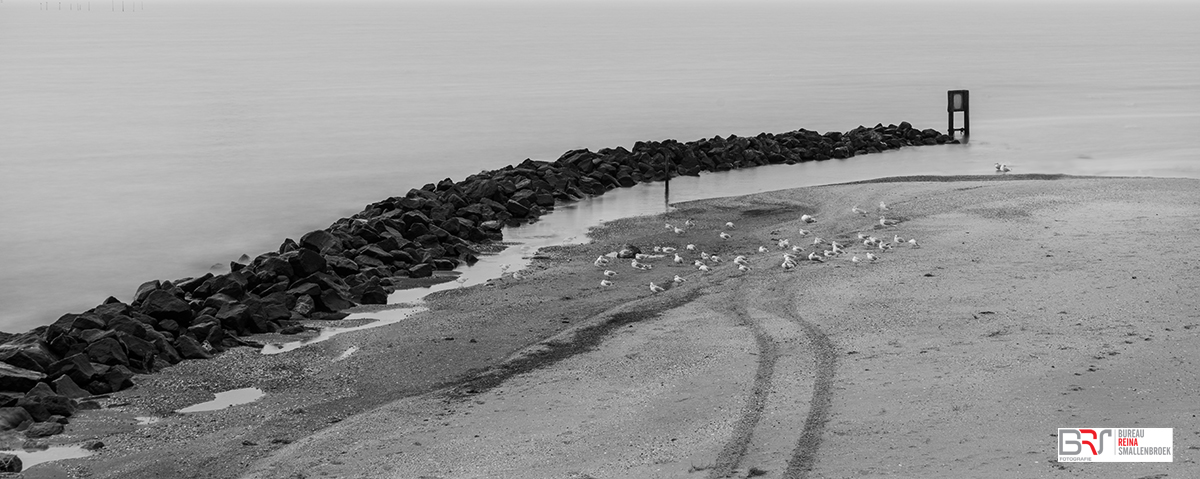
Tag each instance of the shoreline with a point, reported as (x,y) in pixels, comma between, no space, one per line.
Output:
(522,335)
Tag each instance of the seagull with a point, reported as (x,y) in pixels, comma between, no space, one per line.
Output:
(689,223)
(654,288)
(739,259)
(658,249)
(1004,169)
(797,249)
(789,264)
(828,253)
(854,260)
(913,242)
(516,276)
(897,239)
(818,240)
(784,243)
(698,263)
(872,257)
(729,225)
(886,222)
(690,247)
(704,268)
(670,226)
(789,257)
(858,210)
(814,257)
(678,279)
(808,219)
(601,264)
(668,249)
(610,273)
(862,236)
(883,206)
(704,255)
(804,232)
(605,283)
(724,235)
(763,249)
(743,268)
(884,246)
(641,256)
(678,259)
(714,258)
(997,167)
(678,231)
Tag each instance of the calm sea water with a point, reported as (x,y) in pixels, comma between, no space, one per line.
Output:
(158,141)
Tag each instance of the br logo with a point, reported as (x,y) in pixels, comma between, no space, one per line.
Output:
(1093,439)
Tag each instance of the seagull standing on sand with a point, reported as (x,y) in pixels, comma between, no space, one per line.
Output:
(670,226)
(678,259)
(818,240)
(606,283)
(678,231)
(600,262)
(784,243)
(714,258)
(859,211)
(763,249)
(704,255)
(871,257)
(724,235)
(743,268)
(883,206)
(808,219)
(610,273)
(804,232)
(854,260)
(654,288)
(913,243)
(739,259)
(797,249)
(897,239)
(1004,169)
(814,257)
(883,221)
(678,279)
(704,268)
(668,249)
(729,225)
(690,247)
(689,223)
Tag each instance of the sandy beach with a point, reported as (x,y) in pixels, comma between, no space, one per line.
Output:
(1031,303)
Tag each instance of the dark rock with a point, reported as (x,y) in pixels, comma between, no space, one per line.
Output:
(88,321)
(162,305)
(78,367)
(14,418)
(43,429)
(42,402)
(145,289)
(93,445)
(306,262)
(107,351)
(305,305)
(333,300)
(169,326)
(127,325)
(10,463)
(321,241)
(423,270)
(13,378)
(65,386)
(119,377)
(370,292)
(189,348)
(34,355)
(292,329)
(275,266)
(190,285)
(138,348)
(342,266)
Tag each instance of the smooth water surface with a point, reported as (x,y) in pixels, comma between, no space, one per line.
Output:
(226,399)
(159,141)
(30,458)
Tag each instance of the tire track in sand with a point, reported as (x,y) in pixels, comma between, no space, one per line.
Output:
(780,331)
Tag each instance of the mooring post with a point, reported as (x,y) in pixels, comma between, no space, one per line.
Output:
(959,100)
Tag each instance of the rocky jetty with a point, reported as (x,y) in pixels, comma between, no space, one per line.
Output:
(50,372)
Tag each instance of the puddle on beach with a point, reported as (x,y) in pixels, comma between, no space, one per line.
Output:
(226,399)
(30,458)
(144,420)
(382,318)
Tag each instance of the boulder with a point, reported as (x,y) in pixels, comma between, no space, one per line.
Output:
(190,285)
(162,305)
(189,348)
(65,386)
(321,241)
(14,418)
(119,377)
(107,351)
(423,270)
(34,355)
(306,262)
(332,300)
(77,367)
(88,321)
(145,289)
(127,325)
(42,402)
(370,292)
(13,378)
(43,429)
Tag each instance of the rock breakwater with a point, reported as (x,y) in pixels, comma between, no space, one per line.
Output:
(49,373)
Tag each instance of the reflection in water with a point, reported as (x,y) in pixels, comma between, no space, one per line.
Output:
(226,399)
(382,318)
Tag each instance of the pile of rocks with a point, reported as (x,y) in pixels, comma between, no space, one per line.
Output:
(357,260)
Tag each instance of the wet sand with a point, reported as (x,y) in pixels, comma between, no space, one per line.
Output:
(1032,303)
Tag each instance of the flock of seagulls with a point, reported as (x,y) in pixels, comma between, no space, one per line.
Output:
(793,255)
